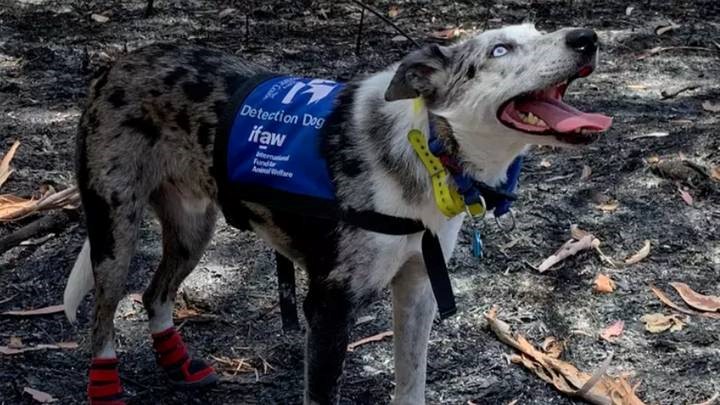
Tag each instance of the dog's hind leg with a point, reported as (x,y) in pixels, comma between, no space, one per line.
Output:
(113,223)
(413,313)
(187,225)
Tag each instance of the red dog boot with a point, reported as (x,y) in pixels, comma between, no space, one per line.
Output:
(104,387)
(183,371)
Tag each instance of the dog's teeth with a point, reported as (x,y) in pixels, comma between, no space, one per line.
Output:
(529,118)
(532,119)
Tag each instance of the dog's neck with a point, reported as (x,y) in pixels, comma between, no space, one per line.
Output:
(385,126)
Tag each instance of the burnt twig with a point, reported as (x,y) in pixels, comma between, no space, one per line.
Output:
(50,223)
(387,21)
(360,31)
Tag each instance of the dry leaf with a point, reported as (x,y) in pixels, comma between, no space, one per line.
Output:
(586,172)
(597,388)
(578,233)
(637,86)
(614,330)
(653,159)
(15,343)
(629,10)
(686,196)
(709,303)
(233,366)
(67,345)
(5,170)
(649,135)
(10,205)
(374,338)
(39,396)
(666,28)
(99,18)
(393,11)
(603,284)
(39,311)
(182,313)
(552,347)
(712,107)
(609,206)
(640,254)
(667,301)
(715,173)
(569,248)
(226,12)
(658,323)
(135,297)
(8,350)
(448,34)
(14,208)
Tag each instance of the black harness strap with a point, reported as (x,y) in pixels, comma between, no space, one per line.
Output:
(439,278)
(385,224)
(381,223)
(320,208)
(286,288)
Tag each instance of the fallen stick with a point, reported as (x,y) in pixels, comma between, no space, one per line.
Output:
(54,222)
(374,338)
(659,49)
(68,198)
(569,248)
(671,94)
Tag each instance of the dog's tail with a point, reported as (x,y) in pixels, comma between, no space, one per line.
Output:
(79,283)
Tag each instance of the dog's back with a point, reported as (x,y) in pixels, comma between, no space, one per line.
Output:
(146,138)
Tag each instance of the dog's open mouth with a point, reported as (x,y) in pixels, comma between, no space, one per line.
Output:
(543,112)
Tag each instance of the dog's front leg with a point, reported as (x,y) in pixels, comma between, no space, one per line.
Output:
(413,313)
(414,309)
(329,311)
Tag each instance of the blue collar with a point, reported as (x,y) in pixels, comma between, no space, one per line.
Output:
(498,198)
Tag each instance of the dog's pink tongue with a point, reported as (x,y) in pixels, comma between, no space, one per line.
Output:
(563,118)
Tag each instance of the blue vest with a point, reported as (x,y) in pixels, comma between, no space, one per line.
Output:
(272,143)
(269,148)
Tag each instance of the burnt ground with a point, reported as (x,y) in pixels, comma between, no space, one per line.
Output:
(49,50)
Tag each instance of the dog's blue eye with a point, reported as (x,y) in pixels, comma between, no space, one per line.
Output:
(500,50)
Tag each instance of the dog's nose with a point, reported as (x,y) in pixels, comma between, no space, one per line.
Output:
(583,40)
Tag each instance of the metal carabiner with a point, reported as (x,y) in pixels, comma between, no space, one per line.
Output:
(484,210)
(504,228)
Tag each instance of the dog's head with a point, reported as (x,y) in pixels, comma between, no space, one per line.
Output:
(505,84)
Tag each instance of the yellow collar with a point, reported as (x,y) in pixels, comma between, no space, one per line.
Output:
(447,198)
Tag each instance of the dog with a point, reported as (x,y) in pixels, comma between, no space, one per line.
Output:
(147,136)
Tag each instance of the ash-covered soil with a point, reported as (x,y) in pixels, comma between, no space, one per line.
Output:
(50,49)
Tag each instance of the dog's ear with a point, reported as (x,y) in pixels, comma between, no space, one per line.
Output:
(417,74)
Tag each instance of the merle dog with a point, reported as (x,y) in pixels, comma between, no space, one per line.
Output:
(147,135)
